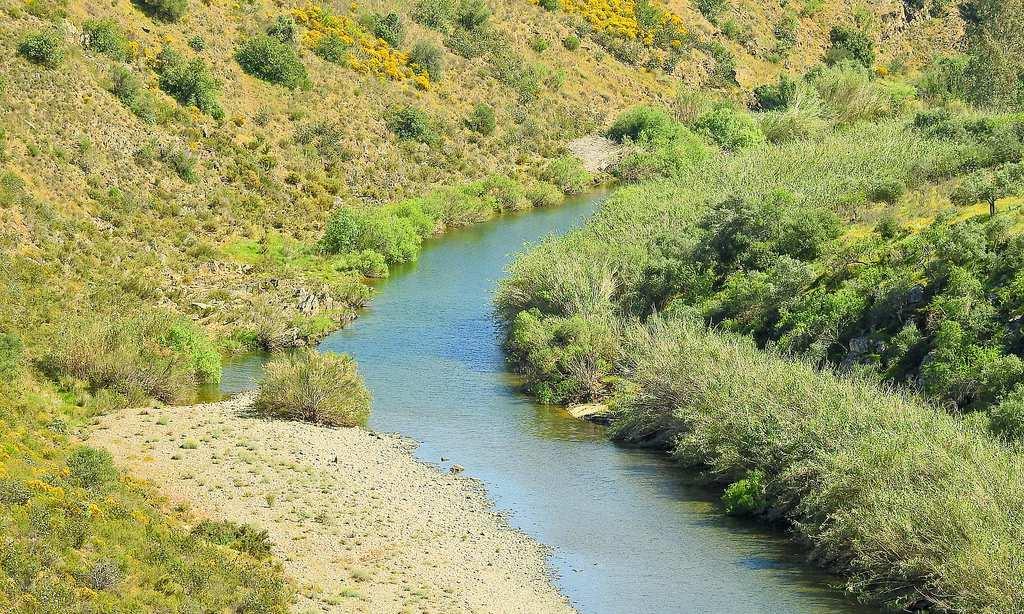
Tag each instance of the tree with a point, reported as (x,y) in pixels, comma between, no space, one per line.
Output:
(990,186)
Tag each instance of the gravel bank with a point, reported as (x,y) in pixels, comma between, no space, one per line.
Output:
(359,523)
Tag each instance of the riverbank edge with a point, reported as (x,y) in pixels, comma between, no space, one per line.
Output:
(524,568)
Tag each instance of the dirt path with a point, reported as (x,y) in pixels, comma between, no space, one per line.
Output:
(597,153)
(358,522)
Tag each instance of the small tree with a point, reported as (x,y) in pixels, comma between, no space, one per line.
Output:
(989,186)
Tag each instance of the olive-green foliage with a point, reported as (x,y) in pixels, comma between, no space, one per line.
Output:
(436,14)
(641,123)
(946,78)
(384,230)
(240,537)
(849,94)
(314,387)
(410,123)
(267,58)
(729,128)
(712,9)
(850,44)
(904,499)
(995,34)
(331,48)
(283,29)
(550,5)
(181,162)
(190,82)
(80,537)
(473,14)
(389,28)
(481,119)
(657,146)
(164,10)
(428,58)
(105,36)
(197,43)
(150,355)
(1006,418)
(571,42)
(43,48)
(568,174)
(10,356)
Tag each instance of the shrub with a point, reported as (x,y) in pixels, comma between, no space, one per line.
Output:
(283,29)
(395,237)
(128,355)
(745,497)
(410,123)
(539,44)
(723,73)
(181,162)
(550,5)
(105,36)
(389,29)
(850,95)
(90,468)
(850,44)
(367,262)
(482,120)
(427,58)
(774,97)
(730,128)
(313,387)
(946,78)
(43,48)
(436,14)
(267,58)
(542,194)
(571,42)
(332,48)
(164,10)
(240,537)
(567,174)
(712,9)
(473,14)
(641,123)
(191,342)
(189,82)
(10,356)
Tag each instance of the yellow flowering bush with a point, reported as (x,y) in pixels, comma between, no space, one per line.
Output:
(646,21)
(340,39)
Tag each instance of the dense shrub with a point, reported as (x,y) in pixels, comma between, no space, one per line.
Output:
(658,147)
(283,29)
(482,120)
(410,123)
(426,57)
(772,97)
(745,497)
(567,173)
(189,82)
(105,36)
(151,355)
(91,468)
(240,537)
(550,5)
(331,47)
(729,128)
(473,14)
(321,388)
(10,356)
(267,58)
(712,9)
(436,14)
(43,48)
(641,123)
(945,79)
(850,44)
(571,42)
(164,10)
(389,28)
(384,231)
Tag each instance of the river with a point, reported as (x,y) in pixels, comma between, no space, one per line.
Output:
(628,531)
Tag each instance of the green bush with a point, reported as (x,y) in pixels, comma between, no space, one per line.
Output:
(745,497)
(729,128)
(772,97)
(267,58)
(240,537)
(850,44)
(367,262)
(389,28)
(1006,418)
(473,14)
(91,468)
(571,42)
(542,194)
(190,341)
(43,48)
(332,48)
(189,82)
(567,174)
(550,5)
(642,123)
(283,29)
(426,57)
(181,162)
(482,120)
(197,43)
(395,237)
(105,36)
(10,356)
(135,357)
(436,14)
(712,9)
(313,387)
(126,86)
(539,44)
(164,10)
(946,78)
(410,123)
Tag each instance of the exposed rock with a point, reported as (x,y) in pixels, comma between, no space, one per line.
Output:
(597,153)
(457,469)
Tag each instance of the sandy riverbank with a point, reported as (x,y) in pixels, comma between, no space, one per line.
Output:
(360,524)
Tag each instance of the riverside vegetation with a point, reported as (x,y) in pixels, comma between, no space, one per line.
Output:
(183,180)
(814,305)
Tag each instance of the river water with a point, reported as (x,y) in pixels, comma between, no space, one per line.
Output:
(629,532)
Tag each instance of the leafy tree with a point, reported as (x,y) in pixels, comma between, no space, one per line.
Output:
(989,186)
(995,31)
